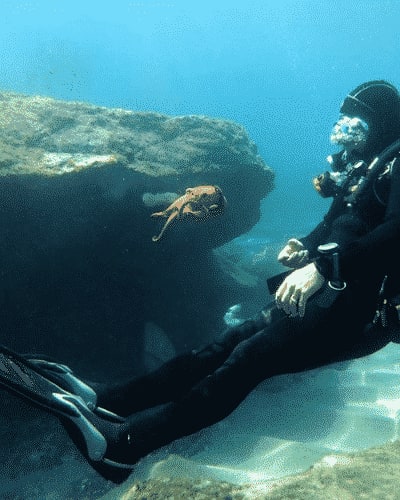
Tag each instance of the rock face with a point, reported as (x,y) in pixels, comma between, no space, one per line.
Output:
(80,275)
(372,474)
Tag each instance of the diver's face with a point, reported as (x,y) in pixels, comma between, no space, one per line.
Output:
(351,133)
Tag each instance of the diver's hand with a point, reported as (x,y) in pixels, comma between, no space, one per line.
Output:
(293,254)
(297,288)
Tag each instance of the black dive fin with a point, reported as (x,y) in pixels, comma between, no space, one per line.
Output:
(54,387)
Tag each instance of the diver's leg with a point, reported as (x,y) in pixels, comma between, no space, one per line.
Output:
(176,376)
(160,385)
(287,345)
(277,349)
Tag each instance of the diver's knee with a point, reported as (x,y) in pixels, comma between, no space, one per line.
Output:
(209,350)
(233,336)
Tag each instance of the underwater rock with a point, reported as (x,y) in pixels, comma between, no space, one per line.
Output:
(80,275)
(181,489)
(157,347)
(371,474)
(231,317)
(158,199)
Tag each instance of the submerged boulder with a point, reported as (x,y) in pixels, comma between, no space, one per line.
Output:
(80,274)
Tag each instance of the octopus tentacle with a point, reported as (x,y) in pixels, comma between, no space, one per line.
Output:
(173,216)
(185,207)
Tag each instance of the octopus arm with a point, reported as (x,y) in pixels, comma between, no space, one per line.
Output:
(173,216)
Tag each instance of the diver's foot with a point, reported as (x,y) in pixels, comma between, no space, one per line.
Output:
(102,436)
(105,441)
(117,448)
(94,394)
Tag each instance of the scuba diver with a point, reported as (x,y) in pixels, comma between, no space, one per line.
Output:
(336,302)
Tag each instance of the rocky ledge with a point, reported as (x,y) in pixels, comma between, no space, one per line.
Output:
(371,475)
(81,278)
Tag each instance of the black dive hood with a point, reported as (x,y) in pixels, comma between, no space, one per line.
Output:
(377,102)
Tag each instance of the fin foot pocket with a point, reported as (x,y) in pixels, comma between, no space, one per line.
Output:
(63,376)
(95,431)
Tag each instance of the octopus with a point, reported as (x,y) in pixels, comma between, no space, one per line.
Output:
(201,202)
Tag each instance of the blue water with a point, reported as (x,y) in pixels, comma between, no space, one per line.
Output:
(280,68)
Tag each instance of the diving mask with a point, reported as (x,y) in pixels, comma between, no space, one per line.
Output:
(349,132)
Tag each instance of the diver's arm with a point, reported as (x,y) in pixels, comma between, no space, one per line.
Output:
(377,251)
(313,239)
(298,252)
(320,234)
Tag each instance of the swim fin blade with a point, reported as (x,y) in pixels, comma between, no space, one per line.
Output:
(54,387)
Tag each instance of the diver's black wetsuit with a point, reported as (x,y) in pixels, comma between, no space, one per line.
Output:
(202,387)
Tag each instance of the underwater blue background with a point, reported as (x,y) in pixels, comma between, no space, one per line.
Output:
(280,68)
